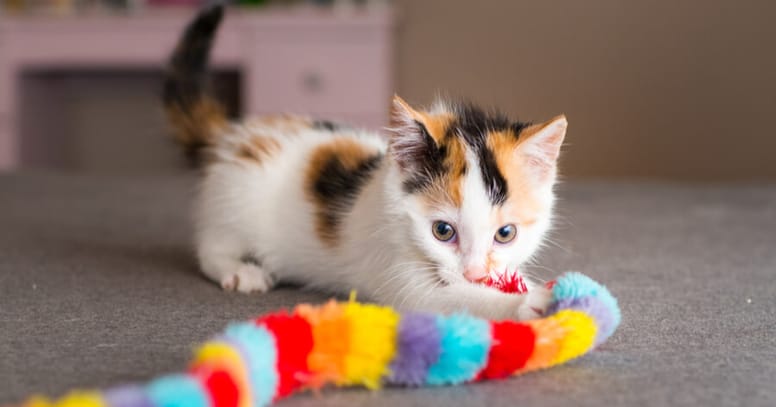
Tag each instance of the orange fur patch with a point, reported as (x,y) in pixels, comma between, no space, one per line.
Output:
(436,124)
(521,203)
(197,124)
(456,170)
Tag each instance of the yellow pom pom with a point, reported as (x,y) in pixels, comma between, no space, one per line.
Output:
(212,352)
(372,343)
(74,399)
(580,334)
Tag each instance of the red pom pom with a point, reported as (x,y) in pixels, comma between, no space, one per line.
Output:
(513,343)
(508,283)
(294,341)
(219,384)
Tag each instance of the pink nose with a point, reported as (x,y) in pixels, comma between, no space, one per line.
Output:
(475,274)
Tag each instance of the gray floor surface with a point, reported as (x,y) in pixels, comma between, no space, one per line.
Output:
(98,286)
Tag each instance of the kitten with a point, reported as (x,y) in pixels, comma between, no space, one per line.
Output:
(418,220)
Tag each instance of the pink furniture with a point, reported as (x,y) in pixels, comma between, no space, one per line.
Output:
(320,62)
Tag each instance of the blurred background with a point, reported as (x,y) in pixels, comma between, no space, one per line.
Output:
(669,90)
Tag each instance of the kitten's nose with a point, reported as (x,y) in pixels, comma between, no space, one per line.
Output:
(475,274)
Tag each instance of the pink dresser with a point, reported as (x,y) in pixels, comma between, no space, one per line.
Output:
(333,64)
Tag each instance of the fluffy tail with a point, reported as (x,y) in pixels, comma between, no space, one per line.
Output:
(195,116)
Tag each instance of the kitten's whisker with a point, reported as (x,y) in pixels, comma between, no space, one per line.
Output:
(399,274)
(429,292)
(551,270)
(412,287)
(408,266)
(531,274)
(551,241)
(402,272)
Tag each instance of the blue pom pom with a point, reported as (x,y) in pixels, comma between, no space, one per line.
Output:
(465,342)
(177,391)
(261,354)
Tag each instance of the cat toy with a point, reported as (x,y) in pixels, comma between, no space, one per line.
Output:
(255,363)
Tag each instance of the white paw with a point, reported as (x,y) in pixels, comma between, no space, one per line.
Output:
(535,305)
(248,278)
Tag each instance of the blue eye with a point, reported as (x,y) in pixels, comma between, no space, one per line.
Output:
(443,231)
(506,233)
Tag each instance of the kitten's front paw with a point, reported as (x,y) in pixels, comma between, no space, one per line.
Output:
(535,305)
(248,278)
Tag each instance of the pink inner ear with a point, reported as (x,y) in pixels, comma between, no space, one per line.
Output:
(550,146)
(509,282)
(544,143)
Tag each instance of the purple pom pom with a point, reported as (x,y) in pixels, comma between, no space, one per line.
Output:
(127,396)
(418,349)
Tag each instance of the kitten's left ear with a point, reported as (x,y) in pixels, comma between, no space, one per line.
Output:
(541,147)
(410,142)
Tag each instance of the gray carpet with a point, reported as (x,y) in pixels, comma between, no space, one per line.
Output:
(98,286)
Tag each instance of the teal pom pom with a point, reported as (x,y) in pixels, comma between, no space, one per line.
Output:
(465,343)
(177,391)
(259,344)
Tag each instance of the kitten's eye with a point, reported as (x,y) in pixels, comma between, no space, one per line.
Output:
(443,231)
(506,233)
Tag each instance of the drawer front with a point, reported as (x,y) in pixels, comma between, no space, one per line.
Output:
(318,78)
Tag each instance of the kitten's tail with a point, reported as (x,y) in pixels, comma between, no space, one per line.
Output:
(195,116)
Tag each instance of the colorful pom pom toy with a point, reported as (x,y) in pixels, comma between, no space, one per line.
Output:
(254,363)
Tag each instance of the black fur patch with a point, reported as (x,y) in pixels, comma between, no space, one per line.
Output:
(472,125)
(338,186)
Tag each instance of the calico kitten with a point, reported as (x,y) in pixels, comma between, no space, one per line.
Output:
(417,220)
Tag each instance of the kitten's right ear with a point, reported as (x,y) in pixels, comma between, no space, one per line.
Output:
(540,146)
(410,142)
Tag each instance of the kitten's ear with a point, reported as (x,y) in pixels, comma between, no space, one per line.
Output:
(541,147)
(410,142)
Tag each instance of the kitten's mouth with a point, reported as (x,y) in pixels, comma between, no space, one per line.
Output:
(508,282)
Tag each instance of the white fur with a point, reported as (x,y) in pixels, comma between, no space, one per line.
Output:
(386,250)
